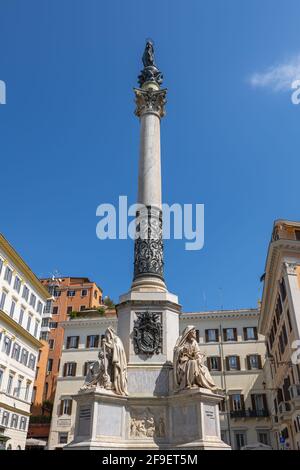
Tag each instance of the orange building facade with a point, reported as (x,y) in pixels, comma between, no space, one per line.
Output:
(71,294)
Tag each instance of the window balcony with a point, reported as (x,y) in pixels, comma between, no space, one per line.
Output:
(295,394)
(249,414)
(285,410)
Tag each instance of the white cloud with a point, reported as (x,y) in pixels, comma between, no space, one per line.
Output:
(278,77)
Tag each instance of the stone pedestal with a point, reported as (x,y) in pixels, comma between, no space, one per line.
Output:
(185,420)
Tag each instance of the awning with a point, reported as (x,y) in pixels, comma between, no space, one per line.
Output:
(35,443)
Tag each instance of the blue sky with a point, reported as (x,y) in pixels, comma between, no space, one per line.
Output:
(69,138)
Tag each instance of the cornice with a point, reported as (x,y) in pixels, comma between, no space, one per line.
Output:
(19,329)
(275,251)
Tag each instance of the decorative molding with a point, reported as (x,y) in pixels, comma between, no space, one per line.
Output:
(147,424)
(147,333)
(150,101)
(148,247)
(9,321)
(291,268)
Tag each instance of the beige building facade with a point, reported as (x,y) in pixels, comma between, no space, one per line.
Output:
(280,323)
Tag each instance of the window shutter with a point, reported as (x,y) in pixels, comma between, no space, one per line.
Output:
(70,410)
(253,402)
(61,408)
(225,334)
(255,332)
(235,334)
(231,403)
(245,334)
(259,361)
(219,363)
(97,339)
(206,336)
(238,362)
(68,342)
(88,341)
(85,369)
(77,341)
(248,362)
(65,369)
(227,364)
(265,403)
(74,369)
(242,402)
(209,363)
(217,335)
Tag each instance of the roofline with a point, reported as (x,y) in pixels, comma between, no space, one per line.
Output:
(32,339)
(88,281)
(20,263)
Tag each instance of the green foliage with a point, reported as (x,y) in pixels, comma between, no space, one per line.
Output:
(108,302)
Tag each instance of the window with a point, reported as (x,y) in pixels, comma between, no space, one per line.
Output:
(237,402)
(71,293)
(8,274)
(7,345)
(2,301)
(49,365)
(48,306)
(214,363)
(62,437)
(263,437)
(23,423)
(254,361)
(39,307)
(259,403)
(82,307)
(95,294)
(12,308)
(9,384)
(36,327)
(282,290)
(32,300)
(24,357)
(5,418)
(51,343)
(211,335)
(86,367)
(21,315)
(55,310)
(69,310)
(230,334)
(27,391)
(44,335)
(16,351)
(17,284)
(72,342)
(232,363)
(37,372)
(66,407)
(250,333)
(14,420)
(240,439)
(45,322)
(31,362)
(84,293)
(92,341)
(1,377)
(1,265)
(56,293)
(17,389)
(28,322)
(53,324)
(289,319)
(25,293)
(69,369)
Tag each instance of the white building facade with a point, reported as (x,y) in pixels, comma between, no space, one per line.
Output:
(22,301)
(280,323)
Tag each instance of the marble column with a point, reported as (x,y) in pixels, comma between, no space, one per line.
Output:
(148,257)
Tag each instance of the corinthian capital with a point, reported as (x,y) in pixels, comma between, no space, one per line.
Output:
(150,101)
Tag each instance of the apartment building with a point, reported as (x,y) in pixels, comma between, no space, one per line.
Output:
(22,301)
(280,323)
(81,346)
(235,355)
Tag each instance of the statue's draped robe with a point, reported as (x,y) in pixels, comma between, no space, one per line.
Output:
(189,369)
(119,365)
